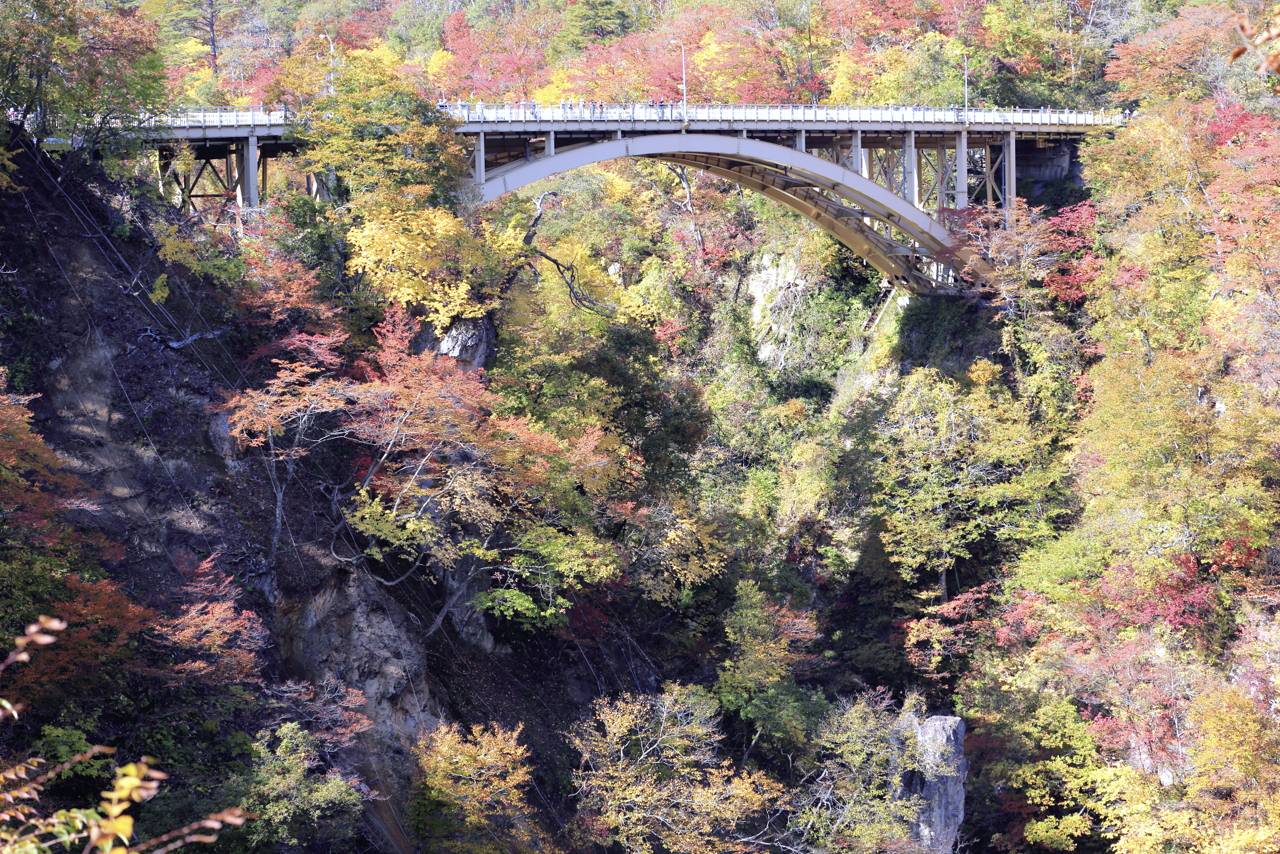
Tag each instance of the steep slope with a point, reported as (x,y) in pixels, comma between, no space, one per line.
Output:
(127,388)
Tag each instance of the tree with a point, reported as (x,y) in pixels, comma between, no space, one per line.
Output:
(1170,470)
(505,59)
(103,625)
(278,288)
(478,781)
(441,475)
(1041,54)
(208,22)
(1179,59)
(219,640)
(960,471)
(368,125)
(28,827)
(652,775)
(392,155)
(737,65)
(756,680)
(427,257)
(854,22)
(294,802)
(42,558)
(548,564)
(77,67)
(850,797)
(591,22)
(932,72)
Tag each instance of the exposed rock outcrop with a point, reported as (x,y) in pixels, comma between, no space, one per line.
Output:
(941,787)
(471,341)
(357,633)
(774,284)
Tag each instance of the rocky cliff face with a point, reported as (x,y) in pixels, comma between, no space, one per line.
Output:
(941,787)
(353,632)
(775,285)
(125,400)
(470,341)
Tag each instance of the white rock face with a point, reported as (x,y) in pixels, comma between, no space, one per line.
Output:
(470,341)
(774,284)
(941,740)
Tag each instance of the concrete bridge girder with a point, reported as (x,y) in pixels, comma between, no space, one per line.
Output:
(793,177)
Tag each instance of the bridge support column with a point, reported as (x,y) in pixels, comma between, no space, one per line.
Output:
(550,147)
(249,177)
(229,170)
(1010,176)
(942,180)
(910,169)
(164,163)
(800,140)
(962,170)
(855,160)
(478,169)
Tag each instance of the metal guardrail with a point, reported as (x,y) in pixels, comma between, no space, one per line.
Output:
(220,117)
(790,114)
(783,114)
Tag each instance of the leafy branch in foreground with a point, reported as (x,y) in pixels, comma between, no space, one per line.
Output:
(26,828)
(1261,37)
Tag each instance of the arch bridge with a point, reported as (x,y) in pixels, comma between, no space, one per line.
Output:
(879,179)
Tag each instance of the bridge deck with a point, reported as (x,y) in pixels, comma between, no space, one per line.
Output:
(230,123)
(477,118)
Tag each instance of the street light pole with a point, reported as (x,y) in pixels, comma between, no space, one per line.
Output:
(684,87)
(684,83)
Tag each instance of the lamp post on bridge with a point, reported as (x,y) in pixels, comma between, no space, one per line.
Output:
(684,83)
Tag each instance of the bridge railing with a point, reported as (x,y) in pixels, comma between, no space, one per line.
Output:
(220,117)
(787,114)
(245,118)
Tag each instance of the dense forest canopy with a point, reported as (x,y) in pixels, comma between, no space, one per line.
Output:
(631,513)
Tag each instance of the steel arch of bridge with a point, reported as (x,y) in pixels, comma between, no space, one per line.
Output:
(910,248)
